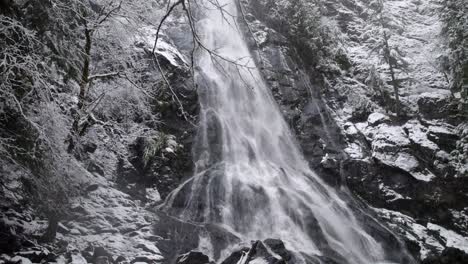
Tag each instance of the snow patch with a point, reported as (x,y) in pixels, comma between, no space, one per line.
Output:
(355,151)
(393,195)
(453,239)
(377,118)
(413,231)
(418,135)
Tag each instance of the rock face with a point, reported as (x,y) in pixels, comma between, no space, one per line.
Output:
(133,152)
(449,255)
(412,165)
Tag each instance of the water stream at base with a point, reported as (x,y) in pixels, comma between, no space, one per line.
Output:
(250,176)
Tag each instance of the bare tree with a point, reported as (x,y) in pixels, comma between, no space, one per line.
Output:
(187,9)
(91,20)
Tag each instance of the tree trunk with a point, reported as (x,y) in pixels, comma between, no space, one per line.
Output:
(84,82)
(85,72)
(51,232)
(388,58)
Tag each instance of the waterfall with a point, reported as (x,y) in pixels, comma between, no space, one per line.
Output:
(250,175)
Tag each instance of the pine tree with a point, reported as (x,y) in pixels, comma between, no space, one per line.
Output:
(454,14)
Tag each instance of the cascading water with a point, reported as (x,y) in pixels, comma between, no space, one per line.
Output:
(250,176)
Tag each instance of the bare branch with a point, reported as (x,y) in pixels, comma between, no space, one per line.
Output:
(103,76)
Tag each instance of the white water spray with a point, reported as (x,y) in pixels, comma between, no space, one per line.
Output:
(250,176)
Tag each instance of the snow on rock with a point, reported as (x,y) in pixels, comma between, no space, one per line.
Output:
(355,151)
(406,162)
(434,104)
(452,238)
(431,238)
(350,129)
(110,219)
(78,259)
(436,95)
(375,119)
(424,175)
(391,145)
(417,133)
(164,48)
(387,137)
(441,130)
(413,231)
(152,195)
(20,260)
(328,161)
(390,194)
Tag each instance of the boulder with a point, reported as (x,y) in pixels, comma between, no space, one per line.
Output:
(444,136)
(89,147)
(120,259)
(376,119)
(78,259)
(434,105)
(92,188)
(102,260)
(236,256)
(270,251)
(277,246)
(448,256)
(193,257)
(100,252)
(20,260)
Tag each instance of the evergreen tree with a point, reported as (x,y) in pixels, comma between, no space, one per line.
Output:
(454,14)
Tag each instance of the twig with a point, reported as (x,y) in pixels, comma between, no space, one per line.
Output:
(103,76)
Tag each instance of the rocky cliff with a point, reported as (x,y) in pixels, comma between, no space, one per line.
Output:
(411,169)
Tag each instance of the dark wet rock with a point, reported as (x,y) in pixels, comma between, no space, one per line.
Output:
(193,257)
(270,251)
(94,167)
(102,260)
(445,137)
(260,251)
(187,237)
(90,147)
(436,105)
(121,259)
(277,246)
(101,254)
(88,253)
(236,256)
(92,187)
(448,256)
(9,241)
